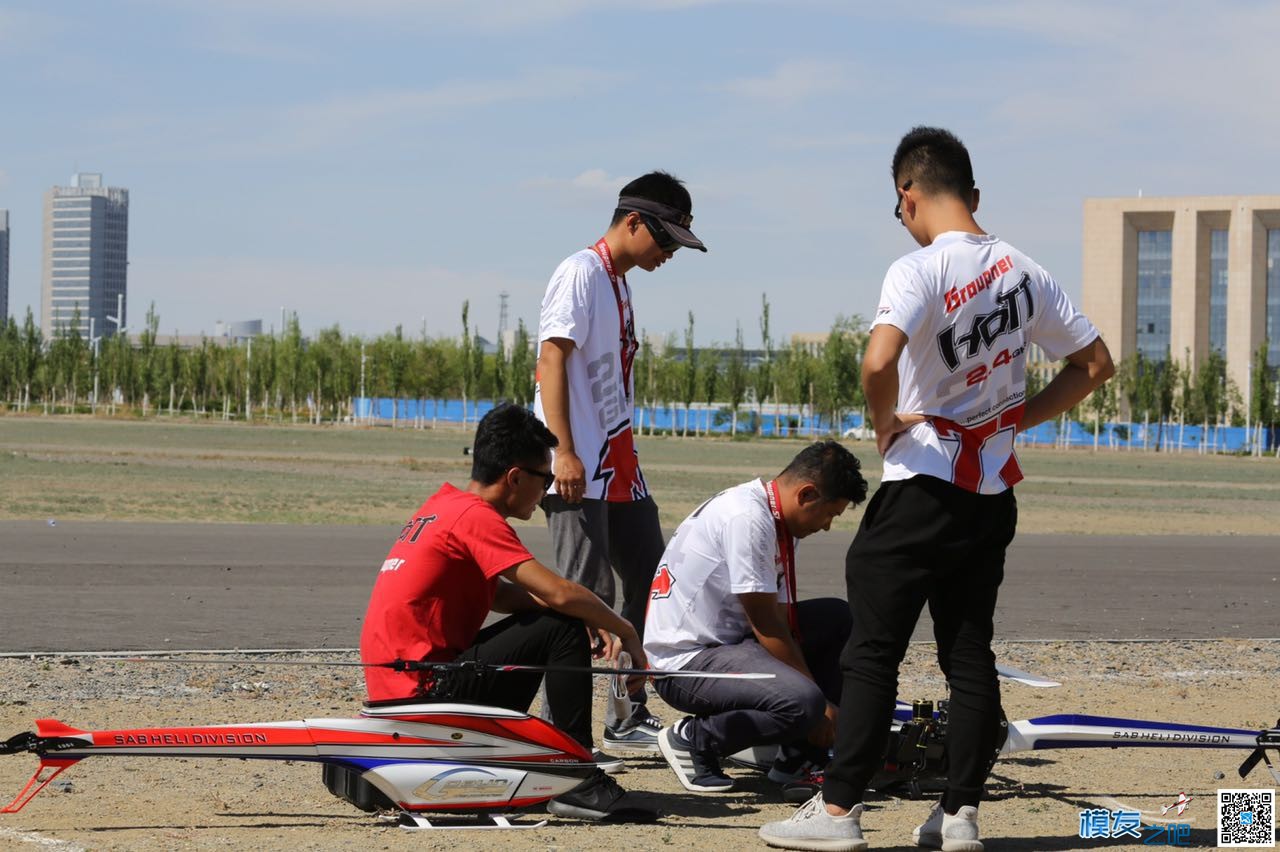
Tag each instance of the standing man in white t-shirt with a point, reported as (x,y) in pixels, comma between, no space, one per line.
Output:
(601,516)
(944,375)
(724,600)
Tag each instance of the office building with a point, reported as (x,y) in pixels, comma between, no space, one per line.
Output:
(1185,275)
(86,257)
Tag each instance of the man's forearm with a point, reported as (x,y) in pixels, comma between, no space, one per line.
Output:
(784,649)
(580,602)
(881,389)
(1084,372)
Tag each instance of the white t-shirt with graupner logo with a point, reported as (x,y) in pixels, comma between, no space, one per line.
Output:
(970,305)
(728,546)
(580,305)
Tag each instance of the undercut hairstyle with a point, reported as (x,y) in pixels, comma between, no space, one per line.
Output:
(832,469)
(935,161)
(508,436)
(655,186)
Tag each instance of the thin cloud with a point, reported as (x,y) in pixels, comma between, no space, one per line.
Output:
(336,122)
(26,31)
(828,141)
(793,81)
(592,184)
(434,14)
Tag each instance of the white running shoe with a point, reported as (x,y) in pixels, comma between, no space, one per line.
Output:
(812,828)
(950,833)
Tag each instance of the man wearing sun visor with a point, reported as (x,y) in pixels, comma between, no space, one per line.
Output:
(600,514)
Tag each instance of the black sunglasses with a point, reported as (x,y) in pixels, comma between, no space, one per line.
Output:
(660,234)
(897,207)
(548,478)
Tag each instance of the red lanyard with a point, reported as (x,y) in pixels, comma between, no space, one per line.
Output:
(627,344)
(787,549)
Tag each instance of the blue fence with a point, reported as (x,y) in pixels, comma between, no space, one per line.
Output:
(791,422)
(1222,439)
(659,418)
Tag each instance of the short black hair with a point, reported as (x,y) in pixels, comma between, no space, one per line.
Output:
(656,186)
(508,436)
(935,161)
(832,469)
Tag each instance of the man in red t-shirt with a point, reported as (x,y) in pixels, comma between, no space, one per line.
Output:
(455,561)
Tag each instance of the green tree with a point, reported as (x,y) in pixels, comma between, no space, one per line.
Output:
(28,358)
(1262,386)
(711,381)
(466,362)
(289,367)
(763,378)
(735,378)
(522,366)
(838,389)
(688,376)
(1166,386)
(10,381)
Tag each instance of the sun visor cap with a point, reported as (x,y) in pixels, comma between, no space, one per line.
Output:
(676,221)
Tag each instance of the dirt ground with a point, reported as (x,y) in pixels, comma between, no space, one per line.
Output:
(1034,800)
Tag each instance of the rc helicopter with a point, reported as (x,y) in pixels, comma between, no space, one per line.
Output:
(414,761)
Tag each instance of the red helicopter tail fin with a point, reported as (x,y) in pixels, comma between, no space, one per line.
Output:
(39,781)
(54,728)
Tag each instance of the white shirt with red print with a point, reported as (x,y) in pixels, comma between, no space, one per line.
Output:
(583,304)
(970,305)
(727,547)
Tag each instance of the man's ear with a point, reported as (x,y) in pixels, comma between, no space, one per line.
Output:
(808,494)
(511,477)
(973,205)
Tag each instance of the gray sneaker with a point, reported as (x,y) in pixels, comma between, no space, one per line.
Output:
(607,762)
(950,833)
(636,735)
(812,828)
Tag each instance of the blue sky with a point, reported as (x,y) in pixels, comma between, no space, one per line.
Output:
(376,162)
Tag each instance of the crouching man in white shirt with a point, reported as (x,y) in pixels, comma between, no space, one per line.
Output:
(724,600)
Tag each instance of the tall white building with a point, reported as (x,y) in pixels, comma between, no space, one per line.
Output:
(4,267)
(86,257)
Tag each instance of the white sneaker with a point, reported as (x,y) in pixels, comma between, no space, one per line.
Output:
(812,828)
(958,833)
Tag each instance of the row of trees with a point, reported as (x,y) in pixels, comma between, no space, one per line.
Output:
(286,376)
(1171,392)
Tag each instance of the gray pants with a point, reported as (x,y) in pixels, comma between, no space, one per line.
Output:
(730,715)
(592,540)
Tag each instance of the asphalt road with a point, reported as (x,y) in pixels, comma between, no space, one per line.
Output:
(80,586)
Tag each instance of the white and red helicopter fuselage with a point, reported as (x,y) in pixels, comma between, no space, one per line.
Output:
(420,756)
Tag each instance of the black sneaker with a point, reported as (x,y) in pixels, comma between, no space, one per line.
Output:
(793,764)
(699,772)
(803,788)
(600,799)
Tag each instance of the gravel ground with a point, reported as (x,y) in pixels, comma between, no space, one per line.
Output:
(1034,802)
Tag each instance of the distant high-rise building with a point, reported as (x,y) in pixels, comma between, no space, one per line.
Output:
(86,256)
(4,267)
